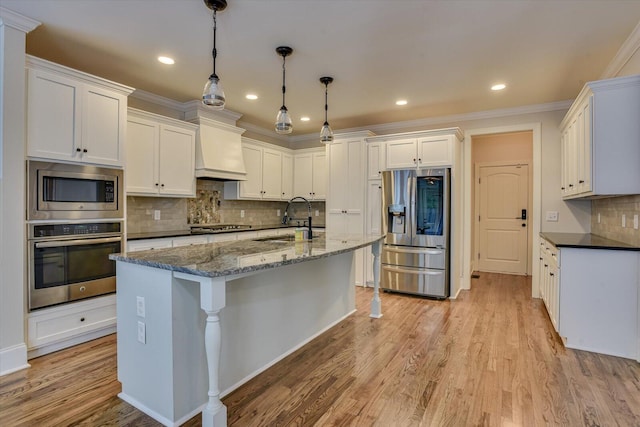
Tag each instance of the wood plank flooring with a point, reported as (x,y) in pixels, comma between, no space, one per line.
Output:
(489,358)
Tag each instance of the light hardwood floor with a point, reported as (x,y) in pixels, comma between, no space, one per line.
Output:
(488,358)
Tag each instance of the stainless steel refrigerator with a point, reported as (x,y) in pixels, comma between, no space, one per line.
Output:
(415,218)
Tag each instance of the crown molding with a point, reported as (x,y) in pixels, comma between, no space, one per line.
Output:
(264,132)
(624,54)
(17,21)
(157,99)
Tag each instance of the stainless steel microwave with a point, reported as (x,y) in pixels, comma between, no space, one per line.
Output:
(66,191)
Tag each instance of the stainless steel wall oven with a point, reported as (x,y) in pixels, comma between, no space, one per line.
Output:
(69,262)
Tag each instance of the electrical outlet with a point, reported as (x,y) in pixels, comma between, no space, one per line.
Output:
(552,216)
(598,217)
(242,213)
(140,309)
(317,212)
(156,215)
(624,220)
(142,332)
(278,212)
(635,221)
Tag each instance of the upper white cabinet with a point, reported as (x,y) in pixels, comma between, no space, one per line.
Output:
(346,198)
(420,149)
(82,120)
(375,160)
(266,168)
(599,140)
(287,176)
(310,174)
(160,156)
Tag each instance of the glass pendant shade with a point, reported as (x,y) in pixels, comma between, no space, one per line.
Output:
(326,134)
(213,94)
(283,121)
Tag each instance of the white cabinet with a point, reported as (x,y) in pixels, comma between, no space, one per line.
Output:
(160,156)
(287,176)
(62,326)
(375,160)
(264,178)
(200,239)
(599,140)
(310,174)
(345,202)
(73,116)
(422,152)
(549,281)
(149,244)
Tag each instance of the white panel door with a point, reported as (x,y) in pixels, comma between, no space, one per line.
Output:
(287,176)
(142,157)
(53,117)
(102,123)
(271,174)
(375,160)
(302,175)
(252,187)
(338,187)
(355,187)
(401,154)
(319,178)
(503,194)
(177,161)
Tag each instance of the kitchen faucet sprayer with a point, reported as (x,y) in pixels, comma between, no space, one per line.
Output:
(286,218)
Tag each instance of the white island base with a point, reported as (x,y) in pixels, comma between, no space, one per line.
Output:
(268,314)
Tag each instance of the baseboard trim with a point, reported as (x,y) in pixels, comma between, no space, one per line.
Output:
(156,416)
(69,342)
(13,359)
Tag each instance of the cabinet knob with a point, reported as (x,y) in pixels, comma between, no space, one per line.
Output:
(82,319)
(157,184)
(420,160)
(161,185)
(570,185)
(562,188)
(78,150)
(414,160)
(546,265)
(84,151)
(551,274)
(283,194)
(581,181)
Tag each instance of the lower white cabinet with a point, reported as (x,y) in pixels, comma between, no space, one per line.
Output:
(592,297)
(62,326)
(200,239)
(148,244)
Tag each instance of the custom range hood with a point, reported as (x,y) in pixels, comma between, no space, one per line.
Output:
(218,144)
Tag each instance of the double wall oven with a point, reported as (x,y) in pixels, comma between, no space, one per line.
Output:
(74,221)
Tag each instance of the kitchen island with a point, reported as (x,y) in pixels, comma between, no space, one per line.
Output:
(179,351)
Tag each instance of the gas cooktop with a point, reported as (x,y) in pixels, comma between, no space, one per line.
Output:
(217,228)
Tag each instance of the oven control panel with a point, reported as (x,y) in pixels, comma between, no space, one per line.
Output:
(52,230)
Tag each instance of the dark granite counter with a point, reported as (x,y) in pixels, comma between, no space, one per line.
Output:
(182,233)
(586,241)
(229,258)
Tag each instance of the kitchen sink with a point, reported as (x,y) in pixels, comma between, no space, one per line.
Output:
(284,238)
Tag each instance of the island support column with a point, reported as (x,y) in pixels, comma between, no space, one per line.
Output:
(376,303)
(212,300)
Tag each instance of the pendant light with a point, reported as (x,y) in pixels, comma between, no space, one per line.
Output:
(213,94)
(283,120)
(326,134)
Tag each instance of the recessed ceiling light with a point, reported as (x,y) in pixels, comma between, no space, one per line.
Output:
(401,102)
(251,96)
(499,86)
(166,60)
(304,119)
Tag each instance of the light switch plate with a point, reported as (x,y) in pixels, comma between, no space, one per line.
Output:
(598,217)
(317,212)
(156,215)
(635,221)
(624,220)
(140,308)
(552,216)
(142,332)
(242,213)
(278,212)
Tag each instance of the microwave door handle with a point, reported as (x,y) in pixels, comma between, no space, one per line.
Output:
(78,242)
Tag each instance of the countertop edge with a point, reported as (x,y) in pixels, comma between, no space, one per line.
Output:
(560,241)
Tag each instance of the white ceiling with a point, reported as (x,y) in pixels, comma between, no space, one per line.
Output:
(442,56)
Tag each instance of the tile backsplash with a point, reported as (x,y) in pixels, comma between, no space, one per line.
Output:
(209,207)
(611,211)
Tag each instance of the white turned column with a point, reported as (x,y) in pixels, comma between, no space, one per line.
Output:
(376,303)
(212,300)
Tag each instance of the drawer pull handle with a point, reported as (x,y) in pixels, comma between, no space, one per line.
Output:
(82,319)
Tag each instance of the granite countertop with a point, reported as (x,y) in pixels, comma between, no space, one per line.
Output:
(182,233)
(243,256)
(586,241)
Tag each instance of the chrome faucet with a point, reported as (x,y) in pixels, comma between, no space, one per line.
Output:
(286,218)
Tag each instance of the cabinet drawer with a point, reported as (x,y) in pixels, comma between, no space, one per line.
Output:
(413,280)
(414,257)
(63,322)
